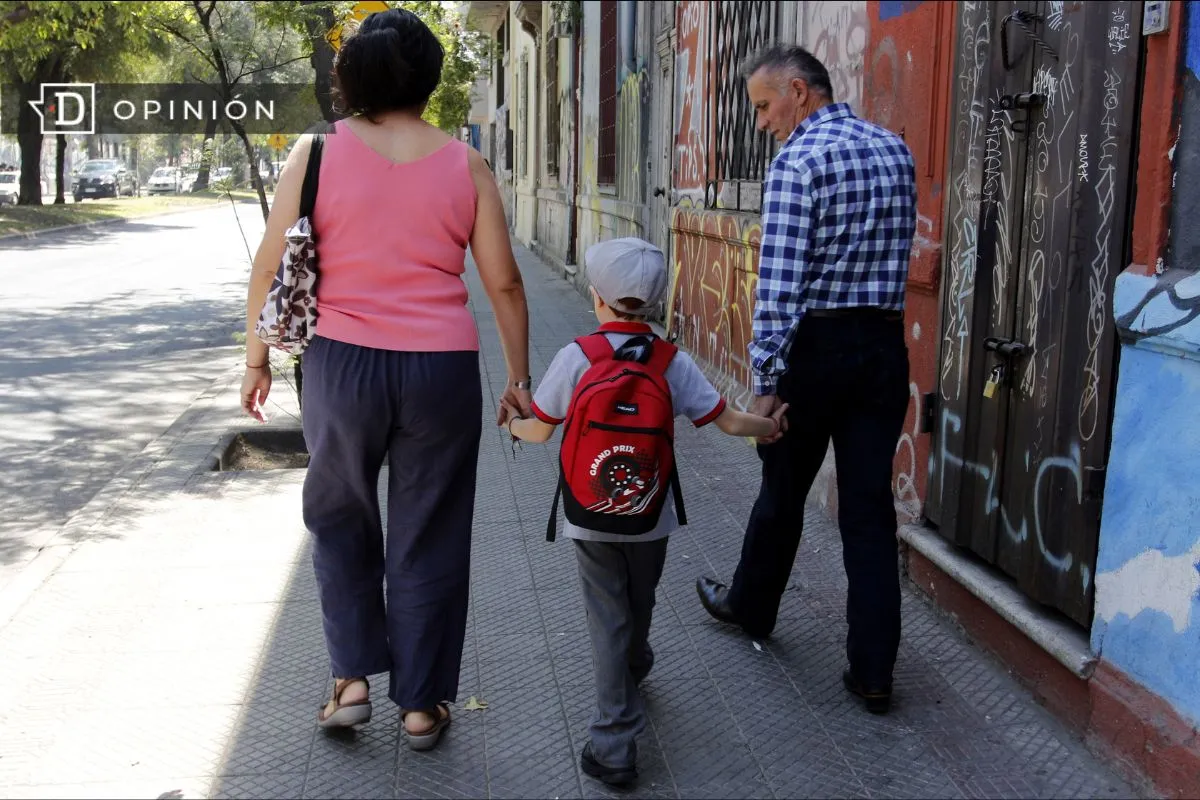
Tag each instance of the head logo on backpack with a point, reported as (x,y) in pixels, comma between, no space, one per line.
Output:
(617,459)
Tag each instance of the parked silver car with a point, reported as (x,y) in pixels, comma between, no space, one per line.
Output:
(165,180)
(10,187)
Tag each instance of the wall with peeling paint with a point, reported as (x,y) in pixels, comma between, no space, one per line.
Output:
(554,195)
(1148,569)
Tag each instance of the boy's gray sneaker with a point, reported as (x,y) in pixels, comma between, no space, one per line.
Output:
(613,776)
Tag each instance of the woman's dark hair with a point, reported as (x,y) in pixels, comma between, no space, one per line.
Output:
(393,62)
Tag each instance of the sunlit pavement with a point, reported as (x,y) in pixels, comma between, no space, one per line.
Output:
(174,647)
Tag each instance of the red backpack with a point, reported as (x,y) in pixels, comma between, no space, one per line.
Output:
(618,454)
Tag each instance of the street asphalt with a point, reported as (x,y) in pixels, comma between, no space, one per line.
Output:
(106,336)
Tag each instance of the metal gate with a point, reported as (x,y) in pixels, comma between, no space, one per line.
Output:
(1038,210)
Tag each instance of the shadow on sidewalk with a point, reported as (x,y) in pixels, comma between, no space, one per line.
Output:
(727,717)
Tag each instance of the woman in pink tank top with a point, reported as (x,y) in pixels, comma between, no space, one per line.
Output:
(393,372)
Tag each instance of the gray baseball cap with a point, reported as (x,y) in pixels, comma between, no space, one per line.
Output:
(624,268)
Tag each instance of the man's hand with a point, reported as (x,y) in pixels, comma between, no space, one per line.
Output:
(769,405)
(521,399)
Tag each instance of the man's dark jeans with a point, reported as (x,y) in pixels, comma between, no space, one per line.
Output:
(847,379)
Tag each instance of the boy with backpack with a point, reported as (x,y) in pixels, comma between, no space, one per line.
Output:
(618,391)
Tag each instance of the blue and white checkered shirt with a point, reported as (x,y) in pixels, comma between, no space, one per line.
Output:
(839,214)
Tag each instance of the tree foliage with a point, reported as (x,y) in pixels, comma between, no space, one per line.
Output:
(465,54)
(54,41)
(465,50)
(87,38)
(225,43)
(230,43)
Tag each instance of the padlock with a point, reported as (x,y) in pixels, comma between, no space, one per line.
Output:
(993,381)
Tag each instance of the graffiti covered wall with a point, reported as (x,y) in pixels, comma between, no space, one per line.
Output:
(905,88)
(890,62)
(716,269)
(836,33)
(1148,569)
(715,251)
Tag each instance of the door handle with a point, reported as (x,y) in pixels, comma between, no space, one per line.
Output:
(1025,101)
(1007,348)
(1022,100)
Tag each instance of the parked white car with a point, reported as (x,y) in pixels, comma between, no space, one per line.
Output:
(165,180)
(10,187)
(189,181)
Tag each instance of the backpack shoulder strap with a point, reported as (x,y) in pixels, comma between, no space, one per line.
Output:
(661,356)
(595,346)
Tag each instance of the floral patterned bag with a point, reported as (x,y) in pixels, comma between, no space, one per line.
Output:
(289,316)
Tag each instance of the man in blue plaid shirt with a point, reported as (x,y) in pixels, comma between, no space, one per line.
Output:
(839,214)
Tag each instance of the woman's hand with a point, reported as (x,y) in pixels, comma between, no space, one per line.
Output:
(509,412)
(514,398)
(256,385)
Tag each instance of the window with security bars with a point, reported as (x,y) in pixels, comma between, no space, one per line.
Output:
(501,52)
(606,161)
(552,106)
(742,153)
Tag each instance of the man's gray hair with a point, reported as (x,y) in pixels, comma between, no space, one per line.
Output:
(794,62)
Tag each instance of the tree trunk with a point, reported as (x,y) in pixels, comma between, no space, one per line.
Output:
(60,168)
(29,139)
(206,154)
(255,177)
(322,56)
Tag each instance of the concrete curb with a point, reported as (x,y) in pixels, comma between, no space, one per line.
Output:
(58,549)
(100,223)
(1062,641)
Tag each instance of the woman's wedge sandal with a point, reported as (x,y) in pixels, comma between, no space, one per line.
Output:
(336,714)
(427,739)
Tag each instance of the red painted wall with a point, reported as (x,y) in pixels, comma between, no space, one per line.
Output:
(1159,126)
(906,88)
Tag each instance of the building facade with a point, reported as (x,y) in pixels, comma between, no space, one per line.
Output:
(1047,475)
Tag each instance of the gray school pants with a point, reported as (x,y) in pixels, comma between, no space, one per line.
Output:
(392,602)
(618,582)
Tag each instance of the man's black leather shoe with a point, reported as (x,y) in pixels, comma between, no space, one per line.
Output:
(715,599)
(878,701)
(613,776)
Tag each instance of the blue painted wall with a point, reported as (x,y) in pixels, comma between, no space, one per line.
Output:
(1185,234)
(895,8)
(1192,40)
(1148,569)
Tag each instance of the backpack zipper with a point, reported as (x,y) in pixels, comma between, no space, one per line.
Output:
(616,377)
(605,426)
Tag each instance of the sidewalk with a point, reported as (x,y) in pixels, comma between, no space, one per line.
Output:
(175,650)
